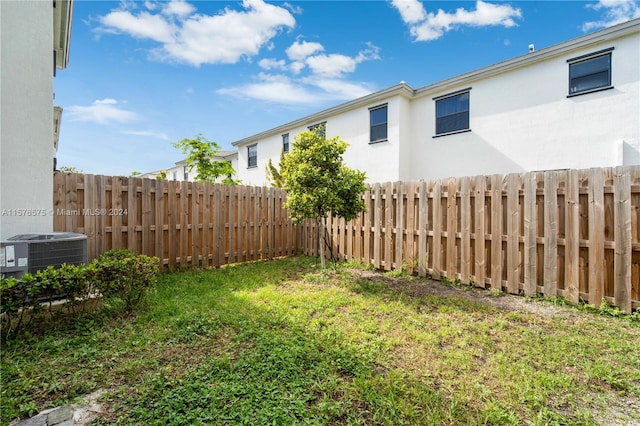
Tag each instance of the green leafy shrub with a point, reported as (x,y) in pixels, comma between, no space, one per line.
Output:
(117,273)
(23,299)
(121,273)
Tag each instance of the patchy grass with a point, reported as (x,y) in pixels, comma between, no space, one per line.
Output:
(284,343)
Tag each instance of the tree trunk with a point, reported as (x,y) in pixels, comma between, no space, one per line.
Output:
(321,241)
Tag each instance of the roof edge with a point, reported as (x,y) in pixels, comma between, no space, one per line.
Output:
(62,17)
(401,88)
(616,31)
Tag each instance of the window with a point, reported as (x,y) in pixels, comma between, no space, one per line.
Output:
(252,154)
(186,173)
(378,124)
(320,129)
(175,175)
(452,112)
(590,73)
(285,143)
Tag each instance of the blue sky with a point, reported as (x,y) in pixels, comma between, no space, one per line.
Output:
(142,74)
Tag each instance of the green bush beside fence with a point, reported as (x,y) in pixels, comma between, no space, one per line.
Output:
(115,274)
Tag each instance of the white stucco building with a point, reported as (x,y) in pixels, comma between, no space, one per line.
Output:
(572,105)
(180,171)
(34,37)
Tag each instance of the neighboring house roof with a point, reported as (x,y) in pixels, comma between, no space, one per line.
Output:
(405,90)
(62,14)
(226,155)
(223,153)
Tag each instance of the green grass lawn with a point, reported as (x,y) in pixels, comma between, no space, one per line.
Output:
(282,343)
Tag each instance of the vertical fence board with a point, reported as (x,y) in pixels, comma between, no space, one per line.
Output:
(388,226)
(377,223)
(89,221)
(184,223)
(410,226)
(366,232)
(550,234)
(59,189)
(206,223)
(572,238)
(513,232)
(530,234)
(101,214)
(116,220)
(596,236)
(216,229)
(437,230)
(452,185)
(479,231)
(173,222)
(146,218)
(465,230)
(399,224)
(496,232)
(196,220)
(422,232)
(622,260)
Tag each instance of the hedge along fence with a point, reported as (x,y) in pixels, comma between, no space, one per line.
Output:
(573,233)
(184,224)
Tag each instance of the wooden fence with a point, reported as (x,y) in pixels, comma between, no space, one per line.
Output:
(573,233)
(184,224)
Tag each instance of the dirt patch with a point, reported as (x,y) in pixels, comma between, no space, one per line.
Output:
(422,287)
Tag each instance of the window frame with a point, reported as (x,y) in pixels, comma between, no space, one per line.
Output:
(323,126)
(450,95)
(249,156)
(185,172)
(378,125)
(589,57)
(285,143)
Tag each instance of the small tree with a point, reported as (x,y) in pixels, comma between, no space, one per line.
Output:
(274,177)
(200,155)
(317,182)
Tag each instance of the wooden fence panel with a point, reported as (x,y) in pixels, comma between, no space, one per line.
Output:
(573,233)
(184,224)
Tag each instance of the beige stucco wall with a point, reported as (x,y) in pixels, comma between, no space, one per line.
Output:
(26,111)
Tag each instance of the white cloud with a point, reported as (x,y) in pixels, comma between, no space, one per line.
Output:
(615,12)
(324,81)
(411,11)
(297,67)
(425,26)
(340,89)
(156,135)
(298,51)
(270,88)
(269,64)
(178,8)
(305,91)
(143,25)
(102,111)
(335,65)
(198,39)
